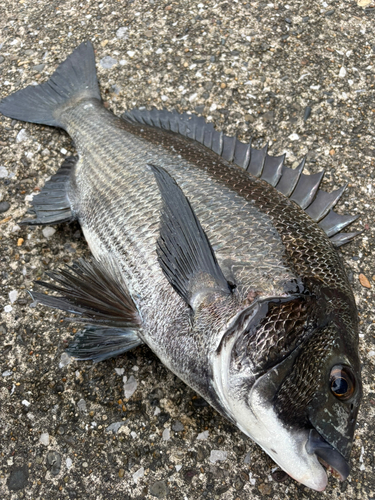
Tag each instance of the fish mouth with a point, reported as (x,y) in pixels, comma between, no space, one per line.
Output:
(328,455)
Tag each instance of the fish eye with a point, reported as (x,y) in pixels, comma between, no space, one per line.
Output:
(342,382)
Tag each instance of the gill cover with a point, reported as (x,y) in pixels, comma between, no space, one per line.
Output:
(279,399)
(248,400)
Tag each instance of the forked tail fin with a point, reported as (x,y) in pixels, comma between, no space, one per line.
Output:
(75,79)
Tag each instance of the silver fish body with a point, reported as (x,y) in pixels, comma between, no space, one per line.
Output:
(274,349)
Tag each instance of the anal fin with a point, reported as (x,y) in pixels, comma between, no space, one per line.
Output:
(96,294)
(52,205)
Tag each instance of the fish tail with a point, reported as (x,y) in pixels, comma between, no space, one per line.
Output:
(74,80)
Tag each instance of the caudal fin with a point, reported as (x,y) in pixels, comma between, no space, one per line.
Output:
(74,79)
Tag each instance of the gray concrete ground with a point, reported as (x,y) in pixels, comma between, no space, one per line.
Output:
(299,75)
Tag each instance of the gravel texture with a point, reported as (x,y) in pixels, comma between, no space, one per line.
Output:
(298,75)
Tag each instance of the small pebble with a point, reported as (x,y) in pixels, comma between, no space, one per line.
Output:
(279,476)
(294,137)
(38,67)
(265,489)
(48,232)
(53,461)
(107,62)
(44,438)
(177,426)
(3,173)
(130,386)
(114,427)
(4,206)
(22,135)
(362,279)
(122,32)
(307,113)
(203,435)
(166,434)
(138,475)
(218,456)
(82,405)
(64,360)
(18,478)
(159,489)
(13,296)
(121,473)
(69,463)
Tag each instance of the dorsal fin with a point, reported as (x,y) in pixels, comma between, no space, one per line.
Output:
(301,188)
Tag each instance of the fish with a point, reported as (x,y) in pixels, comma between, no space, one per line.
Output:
(216,255)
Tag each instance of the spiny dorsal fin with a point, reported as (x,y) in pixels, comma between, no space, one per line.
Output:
(302,189)
(52,205)
(185,254)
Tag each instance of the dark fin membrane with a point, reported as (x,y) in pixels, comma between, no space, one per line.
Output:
(74,78)
(52,205)
(100,343)
(302,189)
(333,223)
(185,254)
(96,294)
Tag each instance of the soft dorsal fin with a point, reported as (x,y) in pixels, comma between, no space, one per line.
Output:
(185,254)
(302,189)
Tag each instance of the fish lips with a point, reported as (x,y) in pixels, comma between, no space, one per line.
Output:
(327,455)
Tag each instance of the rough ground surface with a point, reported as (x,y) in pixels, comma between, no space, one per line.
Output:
(300,76)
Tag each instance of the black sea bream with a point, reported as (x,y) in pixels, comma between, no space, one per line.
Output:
(216,256)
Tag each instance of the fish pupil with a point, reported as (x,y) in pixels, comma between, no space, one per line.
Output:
(340,386)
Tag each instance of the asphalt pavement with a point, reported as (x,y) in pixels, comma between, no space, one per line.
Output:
(298,75)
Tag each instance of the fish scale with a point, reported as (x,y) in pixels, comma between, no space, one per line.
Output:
(239,223)
(217,256)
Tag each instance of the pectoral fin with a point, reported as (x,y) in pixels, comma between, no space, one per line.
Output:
(97,296)
(185,254)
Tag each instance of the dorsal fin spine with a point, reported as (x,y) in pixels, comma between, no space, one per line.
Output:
(302,189)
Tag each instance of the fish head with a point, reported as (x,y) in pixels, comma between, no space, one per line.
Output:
(293,385)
